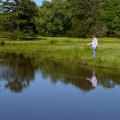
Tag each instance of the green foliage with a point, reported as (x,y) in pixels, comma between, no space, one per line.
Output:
(118,34)
(18,18)
(53,18)
(87,13)
(2,43)
(72,18)
(111,17)
(75,50)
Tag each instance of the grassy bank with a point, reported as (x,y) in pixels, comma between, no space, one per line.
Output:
(70,49)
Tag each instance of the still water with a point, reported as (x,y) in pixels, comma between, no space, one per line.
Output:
(36,89)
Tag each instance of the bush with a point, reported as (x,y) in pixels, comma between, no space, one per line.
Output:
(53,41)
(2,43)
(118,34)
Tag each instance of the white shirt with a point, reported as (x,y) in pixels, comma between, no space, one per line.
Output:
(94,43)
(94,81)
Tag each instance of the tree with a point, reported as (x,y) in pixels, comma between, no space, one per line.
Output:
(74,18)
(111,17)
(54,19)
(20,17)
(87,13)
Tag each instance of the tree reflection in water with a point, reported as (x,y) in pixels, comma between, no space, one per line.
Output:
(19,70)
(82,77)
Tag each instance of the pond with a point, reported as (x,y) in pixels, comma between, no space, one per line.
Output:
(43,89)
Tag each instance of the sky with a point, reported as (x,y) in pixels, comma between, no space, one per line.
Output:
(39,2)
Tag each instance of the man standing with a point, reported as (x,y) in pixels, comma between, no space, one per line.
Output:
(94,44)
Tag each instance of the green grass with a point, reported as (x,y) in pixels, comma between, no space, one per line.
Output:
(68,49)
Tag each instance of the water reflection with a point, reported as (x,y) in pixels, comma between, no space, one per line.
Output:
(82,77)
(93,80)
(19,70)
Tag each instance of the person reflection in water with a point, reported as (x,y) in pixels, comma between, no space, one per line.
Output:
(93,80)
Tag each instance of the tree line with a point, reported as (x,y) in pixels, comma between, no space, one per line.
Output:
(72,18)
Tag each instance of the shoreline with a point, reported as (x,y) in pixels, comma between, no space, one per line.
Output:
(69,49)
(44,56)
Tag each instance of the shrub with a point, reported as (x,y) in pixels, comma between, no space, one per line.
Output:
(53,41)
(118,34)
(2,43)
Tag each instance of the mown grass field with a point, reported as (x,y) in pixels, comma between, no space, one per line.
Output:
(69,49)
